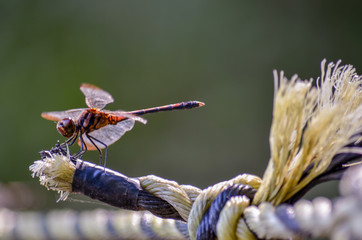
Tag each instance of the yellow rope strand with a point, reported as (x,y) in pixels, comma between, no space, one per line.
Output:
(231,214)
(170,191)
(310,126)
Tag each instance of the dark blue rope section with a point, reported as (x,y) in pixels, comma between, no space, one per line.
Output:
(286,215)
(106,185)
(207,227)
(118,190)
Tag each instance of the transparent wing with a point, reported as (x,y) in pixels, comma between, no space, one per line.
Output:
(95,97)
(108,134)
(56,116)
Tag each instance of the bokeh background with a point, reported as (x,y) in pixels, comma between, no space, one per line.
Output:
(150,53)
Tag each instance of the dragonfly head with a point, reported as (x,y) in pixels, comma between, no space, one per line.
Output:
(66,127)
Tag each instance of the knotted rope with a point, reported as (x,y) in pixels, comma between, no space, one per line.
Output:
(315,137)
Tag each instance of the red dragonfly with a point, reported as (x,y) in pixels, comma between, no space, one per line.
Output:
(98,128)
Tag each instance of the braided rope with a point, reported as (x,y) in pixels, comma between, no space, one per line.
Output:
(207,196)
(315,137)
(94,224)
(178,195)
(321,217)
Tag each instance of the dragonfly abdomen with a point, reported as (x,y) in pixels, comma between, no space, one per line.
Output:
(170,107)
(115,118)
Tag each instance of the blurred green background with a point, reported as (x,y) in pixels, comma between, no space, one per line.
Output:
(150,53)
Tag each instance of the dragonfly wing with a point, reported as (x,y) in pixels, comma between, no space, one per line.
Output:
(95,97)
(108,134)
(56,116)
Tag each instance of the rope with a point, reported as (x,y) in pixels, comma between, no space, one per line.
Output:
(94,224)
(207,196)
(315,137)
(169,191)
(321,217)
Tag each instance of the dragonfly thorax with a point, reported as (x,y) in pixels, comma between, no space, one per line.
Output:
(66,127)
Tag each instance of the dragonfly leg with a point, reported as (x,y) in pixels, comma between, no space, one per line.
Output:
(92,139)
(83,147)
(72,139)
(69,142)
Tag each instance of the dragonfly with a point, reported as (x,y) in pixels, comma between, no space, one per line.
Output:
(96,128)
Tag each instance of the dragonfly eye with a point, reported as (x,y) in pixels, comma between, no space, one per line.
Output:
(66,127)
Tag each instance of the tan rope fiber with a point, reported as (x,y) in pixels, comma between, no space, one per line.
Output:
(56,173)
(332,114)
